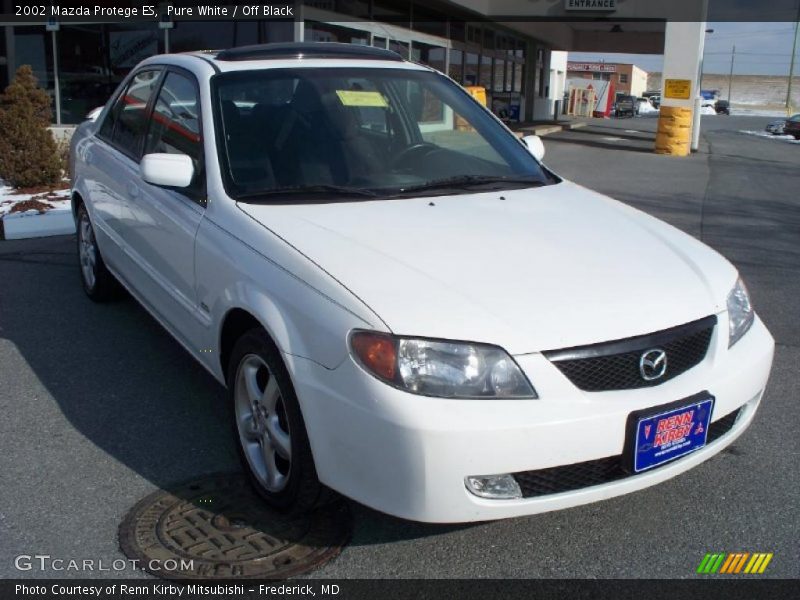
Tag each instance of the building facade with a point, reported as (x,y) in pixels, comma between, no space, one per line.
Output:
(628,79)
(80,64)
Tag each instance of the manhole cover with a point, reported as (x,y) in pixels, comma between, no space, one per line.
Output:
(218,528)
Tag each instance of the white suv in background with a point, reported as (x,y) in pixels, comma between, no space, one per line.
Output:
(405,305)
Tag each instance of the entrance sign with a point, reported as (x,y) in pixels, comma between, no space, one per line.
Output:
(591,5)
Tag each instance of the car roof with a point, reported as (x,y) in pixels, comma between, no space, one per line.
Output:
(306,50)
(286,55)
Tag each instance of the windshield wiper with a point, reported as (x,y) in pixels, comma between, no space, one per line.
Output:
(466,181)
(321,189)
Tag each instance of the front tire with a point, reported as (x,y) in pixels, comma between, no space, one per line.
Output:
(98,282)
(269,428)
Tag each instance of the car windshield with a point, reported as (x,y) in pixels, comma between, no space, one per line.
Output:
(307,134)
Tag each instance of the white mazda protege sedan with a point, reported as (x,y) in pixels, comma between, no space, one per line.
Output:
(405,305)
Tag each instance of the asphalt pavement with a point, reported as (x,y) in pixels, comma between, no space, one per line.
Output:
(101,407)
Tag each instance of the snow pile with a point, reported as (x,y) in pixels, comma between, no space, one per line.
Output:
(757,112)
(645,108)
(708,110)
(58,199)
(769,136)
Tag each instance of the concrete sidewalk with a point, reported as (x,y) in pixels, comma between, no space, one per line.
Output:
(545,127)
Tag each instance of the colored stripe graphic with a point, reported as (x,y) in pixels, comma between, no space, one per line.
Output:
(740,564)
(758,563)
(728,562)
(733,563)
(704,563)
(764,564)
(715,567)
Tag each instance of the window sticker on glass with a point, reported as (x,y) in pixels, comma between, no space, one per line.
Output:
(361,98)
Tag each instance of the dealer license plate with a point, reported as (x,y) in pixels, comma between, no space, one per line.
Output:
(669,434)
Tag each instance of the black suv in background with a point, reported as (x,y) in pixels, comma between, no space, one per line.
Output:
(626,106)
(792,126)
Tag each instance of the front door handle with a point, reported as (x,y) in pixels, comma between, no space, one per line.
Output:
(133,190)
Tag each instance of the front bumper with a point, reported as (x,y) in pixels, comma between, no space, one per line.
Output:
(408,455)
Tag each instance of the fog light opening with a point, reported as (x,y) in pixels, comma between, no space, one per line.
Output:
(496,487)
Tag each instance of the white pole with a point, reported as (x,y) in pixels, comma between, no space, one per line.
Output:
(791,71)
(299,24)
(698,100)
(730,77)
(56,86)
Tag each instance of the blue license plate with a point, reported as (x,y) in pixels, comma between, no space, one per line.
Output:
(668,434)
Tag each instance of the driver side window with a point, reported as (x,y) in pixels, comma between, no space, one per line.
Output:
(175,127)
(127,120)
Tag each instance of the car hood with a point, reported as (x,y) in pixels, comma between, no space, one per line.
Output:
(529,270)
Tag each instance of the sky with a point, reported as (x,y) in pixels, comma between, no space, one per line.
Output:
(761,49)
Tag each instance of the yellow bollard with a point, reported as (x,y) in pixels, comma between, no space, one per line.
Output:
(674,131)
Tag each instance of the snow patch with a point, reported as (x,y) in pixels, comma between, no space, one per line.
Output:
(757,112)
(764,134)
(645,108)
(58,199)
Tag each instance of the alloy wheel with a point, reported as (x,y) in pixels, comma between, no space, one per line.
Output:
(87,251)
(261,420)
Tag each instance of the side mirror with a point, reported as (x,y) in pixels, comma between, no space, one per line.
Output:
(535,146)
(94,113)
(171,170)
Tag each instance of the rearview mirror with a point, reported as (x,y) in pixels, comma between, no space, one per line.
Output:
(534,145)
(171,170)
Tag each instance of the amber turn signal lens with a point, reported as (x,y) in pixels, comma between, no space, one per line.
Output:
(377,352)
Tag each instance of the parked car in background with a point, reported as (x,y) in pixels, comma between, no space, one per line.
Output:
(709,98)
(792,126)
(404,303)
(776,127)
(626,106)
(653,97)
(723,107)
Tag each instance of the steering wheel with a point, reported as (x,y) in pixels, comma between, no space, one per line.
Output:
(421,148)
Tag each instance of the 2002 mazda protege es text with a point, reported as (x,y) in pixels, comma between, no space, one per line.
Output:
(405,305)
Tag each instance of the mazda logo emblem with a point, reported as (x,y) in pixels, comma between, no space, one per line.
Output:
(653,364)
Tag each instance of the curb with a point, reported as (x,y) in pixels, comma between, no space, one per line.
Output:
(20,226)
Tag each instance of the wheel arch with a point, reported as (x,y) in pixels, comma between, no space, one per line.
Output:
(76,200)
(236,322)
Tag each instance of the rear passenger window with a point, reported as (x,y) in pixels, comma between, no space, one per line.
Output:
(126,120)
(175,125)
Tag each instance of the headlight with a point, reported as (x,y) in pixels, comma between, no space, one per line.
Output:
(441,368)
(740,312)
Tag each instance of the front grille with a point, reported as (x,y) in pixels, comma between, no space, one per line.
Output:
(615,365)
(595,472)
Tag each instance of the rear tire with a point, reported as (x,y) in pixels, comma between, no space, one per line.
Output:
(98,282)
(269,428)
